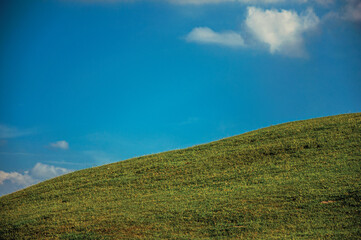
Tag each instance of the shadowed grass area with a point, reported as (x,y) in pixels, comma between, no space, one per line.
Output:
(298,180)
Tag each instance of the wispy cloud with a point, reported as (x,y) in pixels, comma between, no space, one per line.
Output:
(352,11)
(188,121)
(7,132)
(99,157)
(206,35)
(18,154)
(325,2)
(105,147)
(12,181)
(281,30)
(60,145)
(65,163)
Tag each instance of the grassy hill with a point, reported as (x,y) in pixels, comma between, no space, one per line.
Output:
(298,180)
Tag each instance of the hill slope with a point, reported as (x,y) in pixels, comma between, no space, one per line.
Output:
(295,180)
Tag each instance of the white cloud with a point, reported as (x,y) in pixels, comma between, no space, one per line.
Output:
(13,181)
(16,178)
(60,144)
(208,36)
(13,132)
(281,30)
(44,171)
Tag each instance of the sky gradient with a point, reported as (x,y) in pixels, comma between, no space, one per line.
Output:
(85,83)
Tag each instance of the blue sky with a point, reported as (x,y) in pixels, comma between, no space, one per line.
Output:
(85,83)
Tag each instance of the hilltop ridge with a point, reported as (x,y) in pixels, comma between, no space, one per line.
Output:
(297,180)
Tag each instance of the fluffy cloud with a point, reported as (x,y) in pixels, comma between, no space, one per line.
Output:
(12,132)
(44,171)
(60,144)
(281,30)
(16,178)
(208,36)
(10,182)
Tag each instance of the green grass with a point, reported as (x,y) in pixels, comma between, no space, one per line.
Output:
(298,180)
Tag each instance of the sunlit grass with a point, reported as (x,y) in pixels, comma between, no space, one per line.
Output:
(298,180)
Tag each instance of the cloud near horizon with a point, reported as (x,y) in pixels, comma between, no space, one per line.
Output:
(206,35)
(13,181)
(60,144)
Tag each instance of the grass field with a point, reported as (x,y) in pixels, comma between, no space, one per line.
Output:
(298,180)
